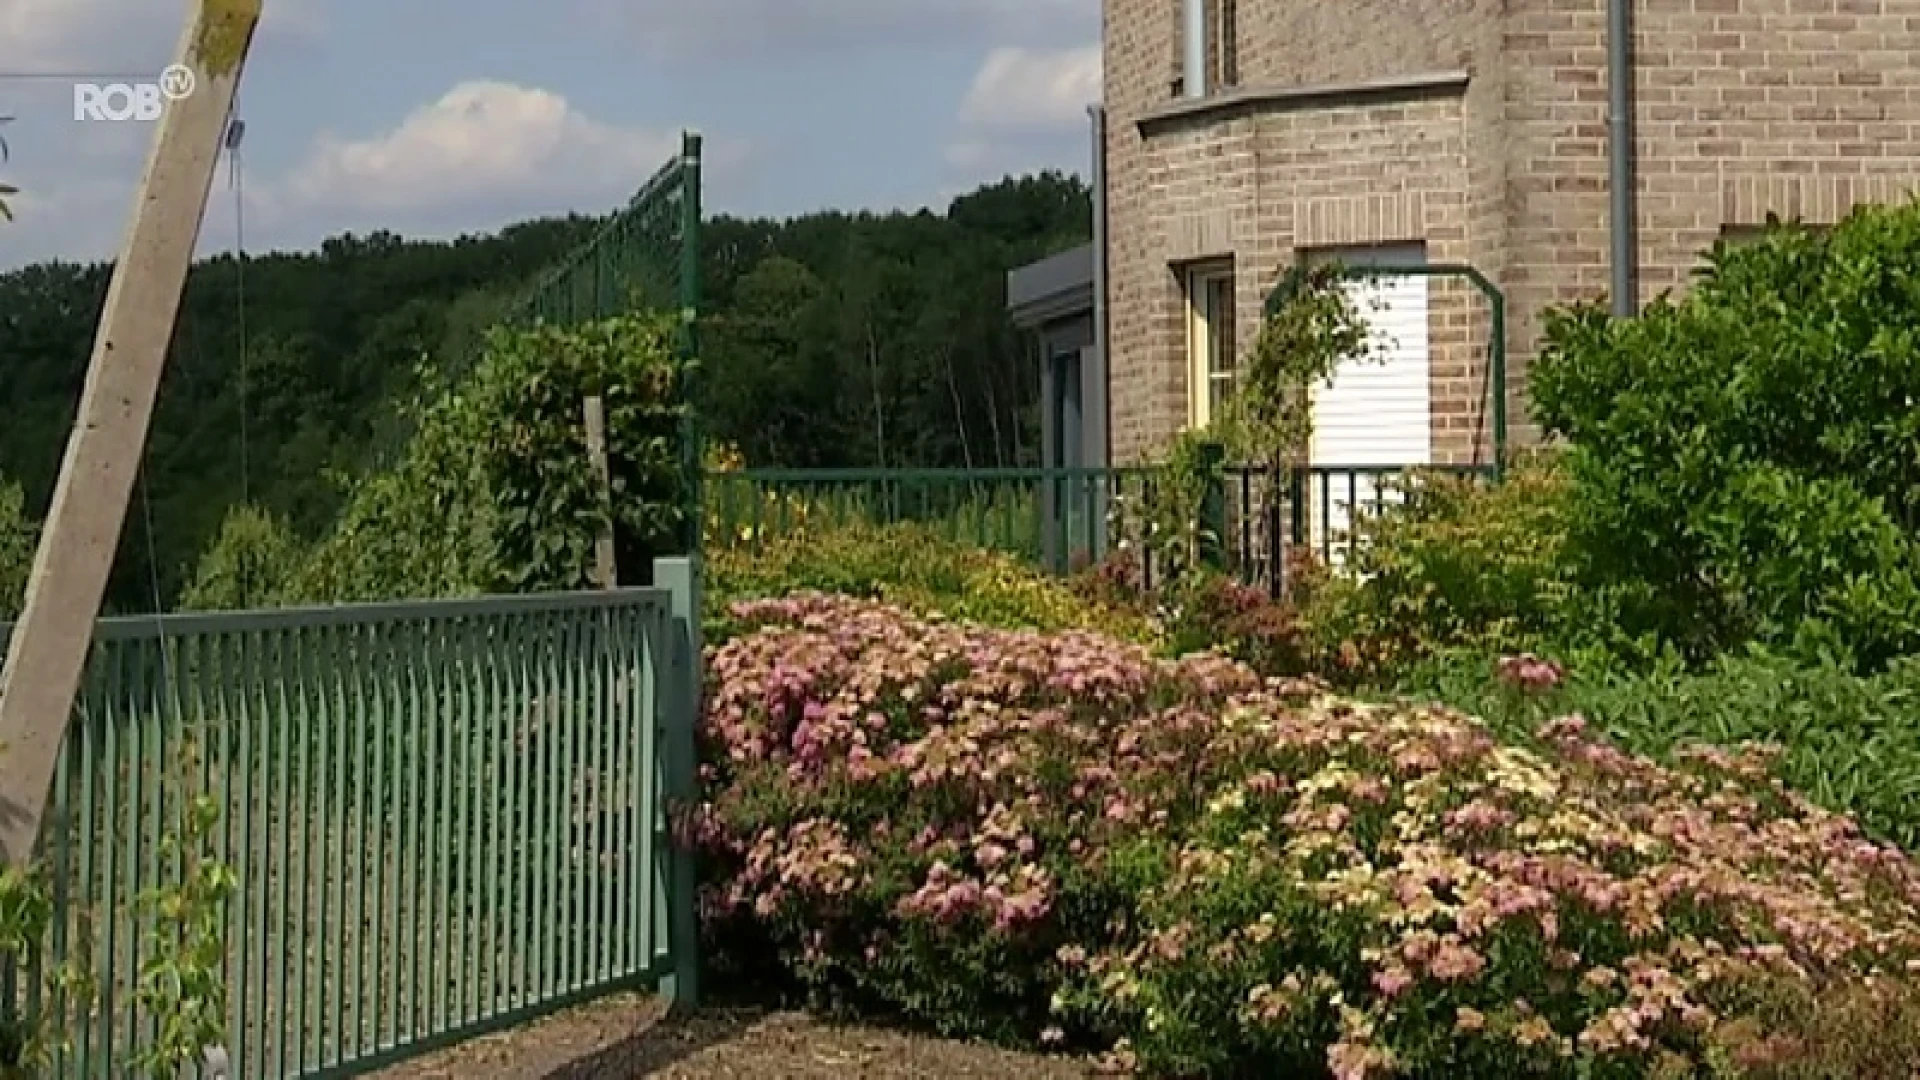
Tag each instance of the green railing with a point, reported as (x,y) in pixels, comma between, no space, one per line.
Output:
(444,818)
(1063,519)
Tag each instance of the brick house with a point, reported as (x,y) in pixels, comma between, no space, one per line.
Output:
(1483,132)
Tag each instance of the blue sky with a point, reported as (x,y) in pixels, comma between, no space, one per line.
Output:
(433,117)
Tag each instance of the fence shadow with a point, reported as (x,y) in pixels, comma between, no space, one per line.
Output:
(672,1039)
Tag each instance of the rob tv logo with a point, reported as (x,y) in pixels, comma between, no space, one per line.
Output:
(140,101)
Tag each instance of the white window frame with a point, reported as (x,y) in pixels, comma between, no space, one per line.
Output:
(1208,308)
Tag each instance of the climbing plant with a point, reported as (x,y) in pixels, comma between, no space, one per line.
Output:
(182,980)
(1306,333)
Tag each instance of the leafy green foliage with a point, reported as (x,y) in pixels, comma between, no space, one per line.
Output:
(252,561)
(18,537)
(1744,460)
(26,911)
(1456,563)
(910,565)
(496,493)
(1850,743)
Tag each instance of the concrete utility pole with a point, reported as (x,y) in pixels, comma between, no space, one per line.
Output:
(48,653)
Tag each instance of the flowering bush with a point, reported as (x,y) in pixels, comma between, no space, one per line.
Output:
(1059,837)
(920,813)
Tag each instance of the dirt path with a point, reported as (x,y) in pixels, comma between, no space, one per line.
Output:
(627,1036)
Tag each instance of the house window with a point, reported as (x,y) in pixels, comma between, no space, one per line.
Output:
(1223,46)
(1211,348)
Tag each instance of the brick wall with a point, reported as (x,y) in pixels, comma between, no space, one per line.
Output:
(1744,107)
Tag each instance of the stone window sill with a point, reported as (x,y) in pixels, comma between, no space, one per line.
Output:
(1243,100)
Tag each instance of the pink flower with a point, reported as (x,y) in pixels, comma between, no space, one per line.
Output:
(1530,673)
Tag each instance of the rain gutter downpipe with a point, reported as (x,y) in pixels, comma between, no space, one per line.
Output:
(1193,77)
(1620,160)
(1101,328)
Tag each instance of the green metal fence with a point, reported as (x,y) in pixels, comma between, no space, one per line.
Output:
(444,818)
(1062,519)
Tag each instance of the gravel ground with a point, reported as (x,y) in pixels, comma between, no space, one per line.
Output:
(628,1036)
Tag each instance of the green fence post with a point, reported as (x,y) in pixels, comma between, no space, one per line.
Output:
(1297,504)
(1213,506)
(680,771)
(693,452)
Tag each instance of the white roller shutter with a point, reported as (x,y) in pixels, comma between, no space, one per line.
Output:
(1375,411)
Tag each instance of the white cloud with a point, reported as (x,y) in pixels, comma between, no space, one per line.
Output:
(678,29)
(1029,90)
(484,155)
(1026,109)
(480,141)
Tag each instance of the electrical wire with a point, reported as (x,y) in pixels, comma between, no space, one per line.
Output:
(236,182)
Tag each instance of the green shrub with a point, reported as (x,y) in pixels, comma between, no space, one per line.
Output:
(914,566)
(1458,562)
(1742,460)
(1848,742)
(1788,1031)
(252,561)
(495,493)
(18,538)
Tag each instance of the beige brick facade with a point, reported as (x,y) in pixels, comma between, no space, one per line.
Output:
(1478,127)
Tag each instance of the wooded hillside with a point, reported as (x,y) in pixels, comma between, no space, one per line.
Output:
(833,339)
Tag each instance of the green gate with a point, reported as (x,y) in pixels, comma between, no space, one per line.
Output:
(443,818)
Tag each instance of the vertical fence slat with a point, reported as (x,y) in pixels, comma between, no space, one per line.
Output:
(653,868)
(354,835)
(301,724)
(568,783)
(396,942)
(379,795)
(417,860)
(463,776)
(519,826)
(95,759)
(494,738)
(440,713)
(631,727)
(62,821)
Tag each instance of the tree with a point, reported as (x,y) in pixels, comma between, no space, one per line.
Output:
(19,536)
